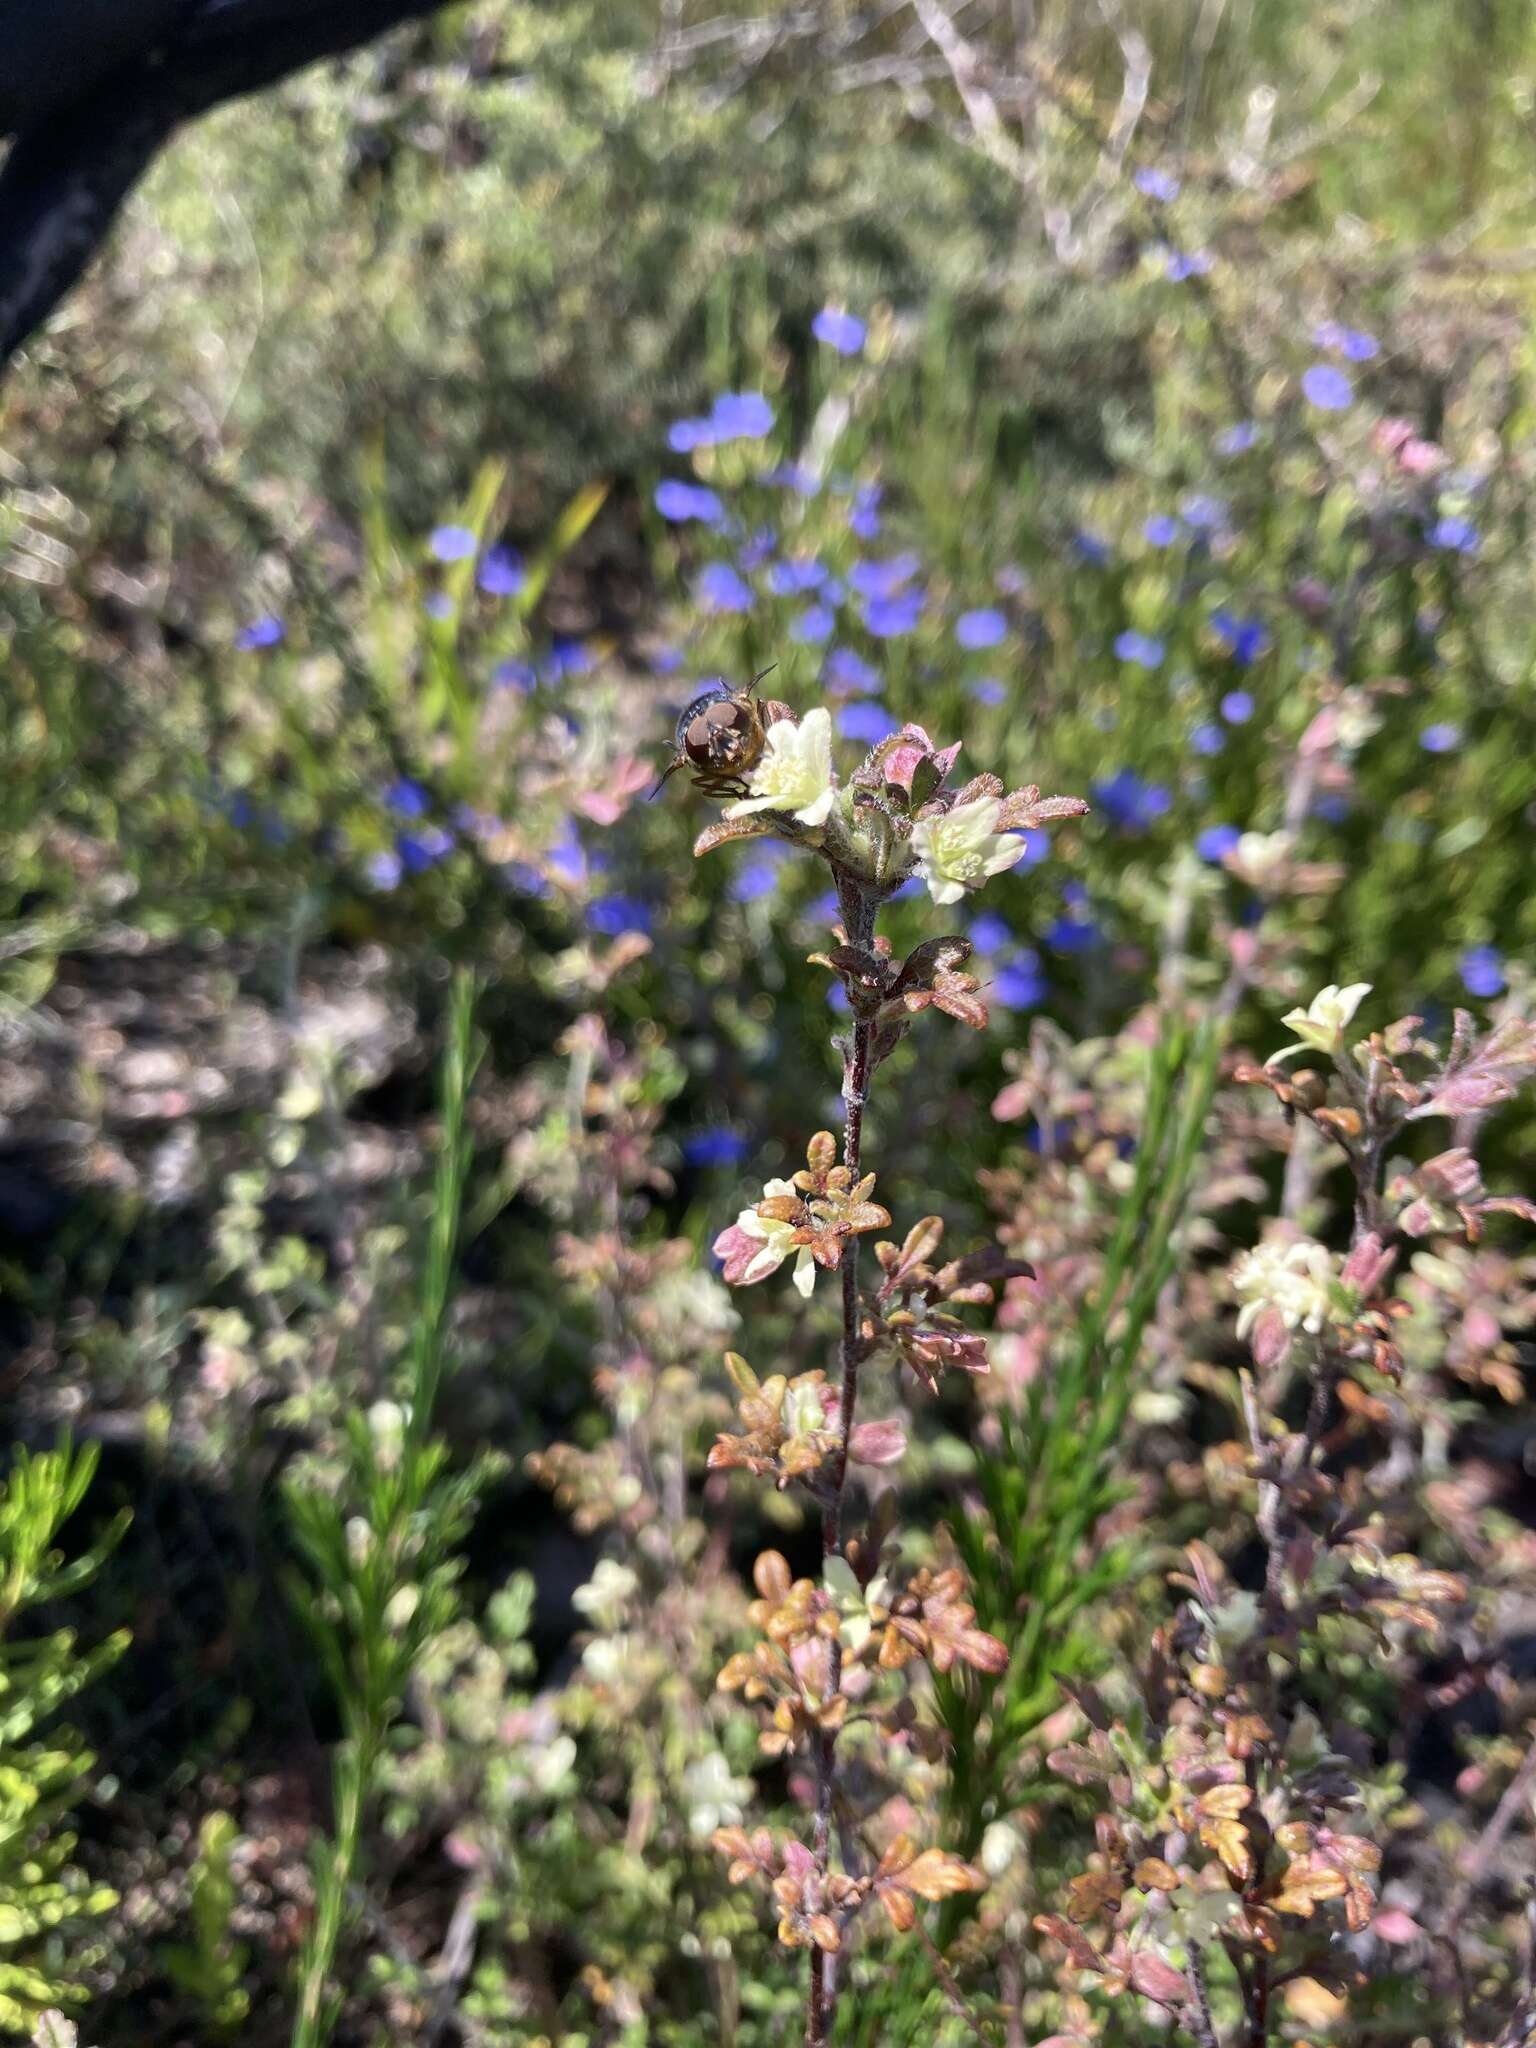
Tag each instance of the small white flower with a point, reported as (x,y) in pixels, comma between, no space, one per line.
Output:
(778,1241)
(1321,1026)
(960,850)
(795,773)
(1260,858)
(1296,1280)
(606,1594)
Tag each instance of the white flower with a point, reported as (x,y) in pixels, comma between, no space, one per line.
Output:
(606,1594)
(1321,1026)
(1260,858)
(778,1240)
(1295,1280)
(960,850)
(795,773)
(715,1796)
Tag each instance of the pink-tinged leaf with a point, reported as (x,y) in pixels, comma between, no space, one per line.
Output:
(877,1443)
(1368,1265)
(1269,1339)
(1393,1925)
(1510,1205)
(1014,1101)
(1158,1980)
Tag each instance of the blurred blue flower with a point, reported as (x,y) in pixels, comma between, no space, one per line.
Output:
(1237,440)
(1156,184)
(666,660)
(438,605)
(794,577)
(568,856)
(1207,514)
(1244,639)
(519,875)
(983,628)
(1327,388)
(1332,807)
(886,617)
(837,999)
(452,543)
(1237,707)
(1349,342)
(815,625)
(756,549)
(825,909)
(1181,264)
(1144,649)
(1482,971)
(1072,935)
(1091,548)
(989,690)
(719,587)
(421,850)
(1459,535)
(758,875)
(1161,530)
(407,799)
(501,572)
(841,331)
(1020,985)
(567,656)
(1440,739)
(792,476)
(1216,842)
(1207,739)
(868,722)
(1129,802)
(741,416)
(613,915)
(864,515)
(515,675)
(884,579)
(677,501)
(267,631)
(848,674)
(1037,844)
(989,933)
(717,1146)
(384,870)
(1074,894)
(912,886)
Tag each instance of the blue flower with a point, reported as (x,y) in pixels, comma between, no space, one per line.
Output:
(384,870)
(407,799)
(1237,707)
(837,999)
(886,617)
(1143,649)
(1239,439)
(848,674)
(438,605)
(756,549)
(884,579)
(792,476)
(717,1146)
(1161,530)
(1482,971)
(1244,639)
(501,572)
(666,660)
(1440,739)
(989,933)
(614,915)
(1332,807)
(1205,513)
(677,501)
(868,722)
(864,514)
(1037,845)
(989,690)
(1208,739)
(452,543)
(1349,342)
(758,876)
(267,631)
(983,628)
(1458,535)
(1089,547)
(421,850)
(515,675)
(1129,802)
(741,416)
(1156,184)
(1181,265)
(815,625)
(568,856)
(683,436)
(1216,842)
(1072,935)
(1327,388)
(841,331)
(567,656)
(1020,985)
(720,588)
(793,578)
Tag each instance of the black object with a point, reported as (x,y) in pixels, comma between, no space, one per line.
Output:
(90,90)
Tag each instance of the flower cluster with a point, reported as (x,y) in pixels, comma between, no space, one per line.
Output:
(809,1218)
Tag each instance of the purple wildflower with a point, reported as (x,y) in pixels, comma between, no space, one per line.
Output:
(1155,184)
(1237,707)
(1440,739)
(452,543)
(839,330)
(983,628)
(1142,649)
(678,501)
(1457,535)
(864,514)
(407,799)
(1208,739)
(1216,842)
(1482,971)
(1161,530)
(267,631)
(501,572)
(848,674)
(717,1146)
(815,625)
(1327,388)
(886,617)
(721,589)
(868,722)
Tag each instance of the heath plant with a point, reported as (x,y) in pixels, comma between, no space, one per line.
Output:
(833,1669)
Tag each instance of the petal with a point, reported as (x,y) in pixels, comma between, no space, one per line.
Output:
(805,1272)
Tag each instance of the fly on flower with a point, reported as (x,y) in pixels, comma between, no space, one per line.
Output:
(720,736)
